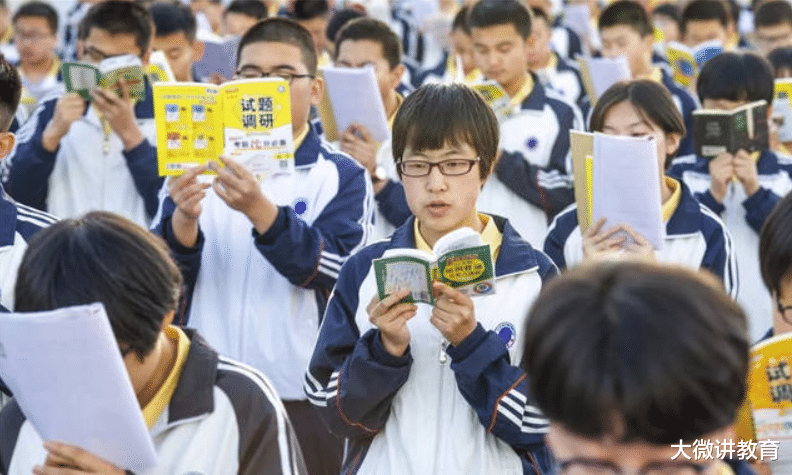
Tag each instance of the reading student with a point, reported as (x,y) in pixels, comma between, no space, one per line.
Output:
(176,36)
(531,181)
(205,413)
(417,388)
(695,236)
(260,258)
(638,363)
(75,156)
(741,188)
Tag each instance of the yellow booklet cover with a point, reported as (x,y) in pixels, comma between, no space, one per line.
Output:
(582,145)
(248,120)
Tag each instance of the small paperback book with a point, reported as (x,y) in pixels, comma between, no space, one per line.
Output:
(81,77)
(459,260)
(497,98)
(686,62)
(248,120)
(159,69)
(719,131)
(782,109)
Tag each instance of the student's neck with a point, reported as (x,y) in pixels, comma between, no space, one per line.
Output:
(514,87)
(391,102)
(432,237)
(297,132)
(645,72)
(665,191)
(165,354)
(543,61)
(35,71)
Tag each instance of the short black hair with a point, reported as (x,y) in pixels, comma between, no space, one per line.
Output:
(626,13)
(780,58)
(282,30)
(775,245)
(304,10)
(339,19)
(487,13)
(772,13)
(652,101)
(668,10)
(704,10)
(102,257)
(439,114)
(119,17)
(736,76)
(40,10)
(10,93)
(170,18)
(372,30)
(460,22)
(537,12)
(638,352)
(252,8)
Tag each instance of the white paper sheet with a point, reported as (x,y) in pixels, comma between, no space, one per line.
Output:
(356,99)
(627,185)
(66,372)
(578,18)
(606,72)
(219,57)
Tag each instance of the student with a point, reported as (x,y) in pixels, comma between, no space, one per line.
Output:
(337,21)
(366,42)
(665,17)
(741,188)
(531,181)
(205,413)
(36,36)
(781,61)
(773,26)
(638,363)
(705,20)
(313,15)
(7,46)
(208,16)
(261,258)
(695,236)
(461,53)
(428,389)
(240,15)
(74,156)
(626,30)
(175,32)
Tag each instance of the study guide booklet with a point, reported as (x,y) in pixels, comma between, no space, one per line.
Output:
(782,109)
(82,77)
(686,61)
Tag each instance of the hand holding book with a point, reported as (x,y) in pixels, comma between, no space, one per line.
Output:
(453,314)
(390,315)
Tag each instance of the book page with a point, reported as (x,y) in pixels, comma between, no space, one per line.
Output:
(80,78)
(158,69)
(682,62)
(219,58)
(707,50)
(782,109)
(127,66)
(457,239)
(496,97)
(66,372)
(396,271)
(605,72)
(355,98)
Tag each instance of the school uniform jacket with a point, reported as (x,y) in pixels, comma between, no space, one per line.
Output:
(532,181)
(744,217)
(565,79)
(258,298)
(223,418)
(695,237)
(414,414)
(79,176)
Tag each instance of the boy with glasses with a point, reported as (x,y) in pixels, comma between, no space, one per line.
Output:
(417,388)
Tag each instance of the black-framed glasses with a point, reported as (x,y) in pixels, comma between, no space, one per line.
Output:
(785,311)
(450,167)
(585,466)
(95,54)
(252,72)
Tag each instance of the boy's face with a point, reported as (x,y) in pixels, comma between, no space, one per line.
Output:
(622,40)
(462,46)
(784,298)
(236,24)
(699,31)
(34,40)
(771,37)
(100,45)
(180,52)
(363,53)
(443,203)
(317,27)
(540,47)
(271,57)
(501,54)
(668,26)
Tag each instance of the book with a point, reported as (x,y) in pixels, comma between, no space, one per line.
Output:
(82,77)
(599,74)
(686,62)
(74,387)
(355,98)
(219,57)
(459,260)
(497,98)
(248,120)
(782,109)
(158,69)
(582,151)
(719,131)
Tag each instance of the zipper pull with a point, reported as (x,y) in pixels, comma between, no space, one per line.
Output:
(443,355)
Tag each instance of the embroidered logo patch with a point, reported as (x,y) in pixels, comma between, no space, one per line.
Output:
(300,205)
(532,143)
(506,332)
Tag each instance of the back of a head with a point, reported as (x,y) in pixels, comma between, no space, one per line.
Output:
(736,76)
(781,60)
(252,8)
(435,115)
(339,19)
(102,257)
(370,29)
(281,30)
(304,10)
(626,13)
(775,245)
(772,13)
(637,352)
(704,10)
(10,93)
(38,9)
(488,13)
(652,100)
(118,17)
(170,18)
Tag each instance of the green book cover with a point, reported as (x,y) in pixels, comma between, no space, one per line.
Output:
(81,77)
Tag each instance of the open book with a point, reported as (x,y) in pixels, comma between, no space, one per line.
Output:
(496,97)
(608,168)
(719,131)
(599,74)
(82,77)
(686,61)
(782,109)
(66,372)
(459,260)
(249,120)
(219,57)
(354,97)
(158,69)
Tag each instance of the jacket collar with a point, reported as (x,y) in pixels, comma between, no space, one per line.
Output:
(687,217)
(8,219)
(194,395)
(308,152)
(537,99)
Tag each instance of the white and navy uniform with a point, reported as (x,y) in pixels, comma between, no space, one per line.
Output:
(258,298)
(744,217)
(90,170)
(695,237)
(532,180)
(223,418)
(415,414)
(563,76)
(564,41)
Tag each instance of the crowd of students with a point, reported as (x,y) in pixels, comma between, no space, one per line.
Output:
(246,310)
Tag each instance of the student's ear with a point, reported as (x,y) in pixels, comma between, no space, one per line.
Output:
(198,50)
(672,143)
(167,320)
(7,140)
(317,90)
(396,75)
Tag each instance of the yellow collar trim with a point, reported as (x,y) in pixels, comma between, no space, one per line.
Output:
(552,65)
(160,401)
(399,100)
(669,207)
(298,141)
(524,91)
(489,235)
(472,77)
